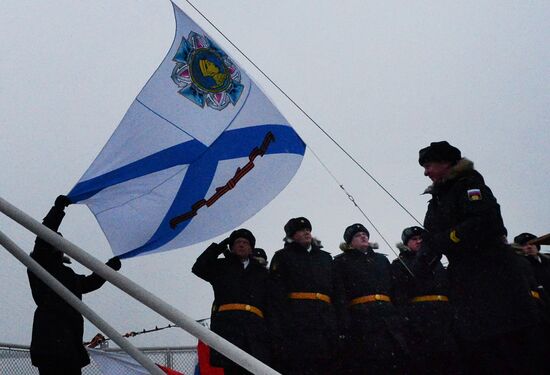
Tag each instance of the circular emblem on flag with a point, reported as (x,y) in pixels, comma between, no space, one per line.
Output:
(205,74)
(208,71)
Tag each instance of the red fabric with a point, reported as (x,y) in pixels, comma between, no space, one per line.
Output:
(168,370)
(203,351)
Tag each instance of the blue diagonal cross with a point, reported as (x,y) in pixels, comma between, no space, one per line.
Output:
(203,162)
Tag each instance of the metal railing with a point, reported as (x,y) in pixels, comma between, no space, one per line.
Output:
(131,288)
(16,360)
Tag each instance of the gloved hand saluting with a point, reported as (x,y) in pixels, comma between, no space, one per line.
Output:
(224,243)
(114,263)
(62,201)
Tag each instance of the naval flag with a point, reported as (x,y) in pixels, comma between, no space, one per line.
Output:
(200,150)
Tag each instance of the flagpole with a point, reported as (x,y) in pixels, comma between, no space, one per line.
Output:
(80,306)
(131,288)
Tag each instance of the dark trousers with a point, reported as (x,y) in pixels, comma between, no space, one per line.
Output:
(434,364)
(322,366)
(234,369)
(375,367)
(512,353)
(58,370)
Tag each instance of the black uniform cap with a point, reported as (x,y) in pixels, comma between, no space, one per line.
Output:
(259,255)
(439,151)
(352,230)
(410,232)
(295,224)
(242,233)
(522,239)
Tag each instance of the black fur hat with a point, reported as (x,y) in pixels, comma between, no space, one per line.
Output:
(242,233)
(439,151)
(352,230)
(259,255)
(522,239)
(295,224)
(410,232)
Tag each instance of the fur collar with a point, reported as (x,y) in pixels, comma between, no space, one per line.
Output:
(403,248)
(345,247)
(461,168)
(315,242)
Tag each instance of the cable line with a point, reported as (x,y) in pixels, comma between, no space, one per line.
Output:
(306,114)
(352,199)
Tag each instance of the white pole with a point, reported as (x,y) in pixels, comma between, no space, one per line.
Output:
(80,306)
(147,298)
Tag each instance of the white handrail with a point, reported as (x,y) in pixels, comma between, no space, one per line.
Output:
(80,306)
(220,344)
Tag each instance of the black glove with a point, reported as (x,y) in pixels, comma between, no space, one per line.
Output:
(114,263)
(426,258)
(62,201)
(224,244)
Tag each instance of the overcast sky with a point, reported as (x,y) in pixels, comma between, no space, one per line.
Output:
(383,78)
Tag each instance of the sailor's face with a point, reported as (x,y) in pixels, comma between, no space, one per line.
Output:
(530,249)
(437,170)
(414,243)
(241,248)
(360,240)
(303,237)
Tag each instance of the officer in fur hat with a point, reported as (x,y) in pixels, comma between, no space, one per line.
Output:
(495,312)
(372,330)
(303,322)
(240,294)
(419,296)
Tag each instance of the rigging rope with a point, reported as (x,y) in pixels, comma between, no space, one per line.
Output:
(352,199)
(306,114)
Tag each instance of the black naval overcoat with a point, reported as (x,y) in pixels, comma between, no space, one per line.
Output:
(234,284)
(490,294)
(304,330)
(374,331)
(57,332)
(423,299)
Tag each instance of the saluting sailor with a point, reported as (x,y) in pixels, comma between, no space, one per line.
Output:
(240,292)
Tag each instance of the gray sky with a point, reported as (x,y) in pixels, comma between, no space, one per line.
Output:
(383,78)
